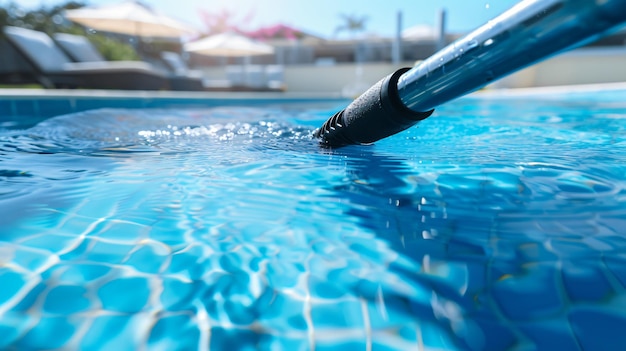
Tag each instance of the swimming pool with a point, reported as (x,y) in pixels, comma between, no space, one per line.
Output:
(497,223)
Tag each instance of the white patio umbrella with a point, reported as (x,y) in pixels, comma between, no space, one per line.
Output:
(228,45)
(130,18)
(419,32)
(234,45)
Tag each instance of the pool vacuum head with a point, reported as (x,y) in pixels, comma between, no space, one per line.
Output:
(376,114)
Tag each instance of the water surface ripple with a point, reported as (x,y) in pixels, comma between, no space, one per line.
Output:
(495,224)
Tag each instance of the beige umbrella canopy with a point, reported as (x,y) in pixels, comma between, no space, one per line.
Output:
(229,45)
(131,18)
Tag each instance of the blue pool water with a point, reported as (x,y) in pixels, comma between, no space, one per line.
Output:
(498,223)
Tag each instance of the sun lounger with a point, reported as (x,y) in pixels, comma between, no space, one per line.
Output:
(13,69)
(255,77)
(275,75)
(80,49)
(184,78)
(56,70)
(238,78)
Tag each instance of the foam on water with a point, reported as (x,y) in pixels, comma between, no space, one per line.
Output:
(494,224)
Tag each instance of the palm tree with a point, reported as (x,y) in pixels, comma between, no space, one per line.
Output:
(352,23)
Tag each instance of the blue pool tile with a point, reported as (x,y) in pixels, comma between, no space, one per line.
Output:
(88,104)
(436,336)
(77,251)
(389,340)
(82,273)
(42,108)
(55,107)
(240,313)
(584,281)
(408,332)
(476,278)
(569,248)
(126,295)
(617,266)
(552,334)
(534,294)
(281,312)
(395,312)
(50,242)
(26,107)
(9,335)
(367,289)
(118,333)
(147,259)
(191,263)
(31,298)
(255,263)
(49,333)
(11,282)
(234,339)
(238,309)
(109,252)
(325,289)
(177,332)
(341,345)
(487,333)
(370,250)
(231,263)
(534,252)
(337,314)
(280,342)
(7,111)
(177,294)
(416,249)
(599,329)
(460,249)
(297,321)
(31,259)
(12,327)
(66,299)
(227,284)
(121,231)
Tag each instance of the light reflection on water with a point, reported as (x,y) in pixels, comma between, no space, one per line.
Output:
(494,224)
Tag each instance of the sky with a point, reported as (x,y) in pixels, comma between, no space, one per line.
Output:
(322,17)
